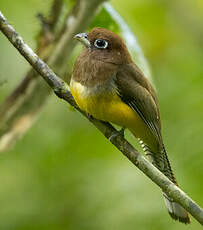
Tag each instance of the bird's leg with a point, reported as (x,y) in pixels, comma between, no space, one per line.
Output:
(117,133)
(90,117)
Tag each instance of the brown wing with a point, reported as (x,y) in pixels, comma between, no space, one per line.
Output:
(136,91)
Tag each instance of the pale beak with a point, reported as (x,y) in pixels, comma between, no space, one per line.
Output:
(83,38)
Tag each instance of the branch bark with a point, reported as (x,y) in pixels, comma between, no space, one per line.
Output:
(30,96)
(62,90)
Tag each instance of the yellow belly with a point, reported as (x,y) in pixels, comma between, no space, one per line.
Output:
(109,107)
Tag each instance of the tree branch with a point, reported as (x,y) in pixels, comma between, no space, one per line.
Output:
(55,13)
(62,90)
(29,97)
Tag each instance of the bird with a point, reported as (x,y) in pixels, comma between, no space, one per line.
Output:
(107,85)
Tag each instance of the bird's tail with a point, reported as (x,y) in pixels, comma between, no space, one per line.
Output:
(176,211)
(160,160)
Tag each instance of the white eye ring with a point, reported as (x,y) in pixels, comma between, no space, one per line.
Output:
(100,44)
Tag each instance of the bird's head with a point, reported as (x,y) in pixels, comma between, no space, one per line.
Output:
(104,45)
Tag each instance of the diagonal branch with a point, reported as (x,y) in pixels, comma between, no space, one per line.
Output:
(14,110)
(29,97)
(62,90)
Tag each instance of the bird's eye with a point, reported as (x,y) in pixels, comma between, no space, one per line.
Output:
(100,43)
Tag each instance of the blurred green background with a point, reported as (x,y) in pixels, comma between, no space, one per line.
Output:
(63,174)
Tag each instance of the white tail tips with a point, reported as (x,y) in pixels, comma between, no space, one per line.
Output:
(176,211)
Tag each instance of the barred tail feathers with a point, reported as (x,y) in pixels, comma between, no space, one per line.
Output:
(160,160)
(176,211)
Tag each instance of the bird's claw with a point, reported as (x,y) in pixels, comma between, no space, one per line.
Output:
(116,134)
(90,117)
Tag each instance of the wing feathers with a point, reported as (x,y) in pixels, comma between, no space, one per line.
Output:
(140,96)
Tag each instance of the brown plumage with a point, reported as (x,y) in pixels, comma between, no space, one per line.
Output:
(109,86)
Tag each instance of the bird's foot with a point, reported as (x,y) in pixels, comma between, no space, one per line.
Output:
(90,117)
(116,134)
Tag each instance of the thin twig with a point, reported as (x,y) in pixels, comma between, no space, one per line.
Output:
(9,108)
(26,103)
(62,90)
(55,13)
